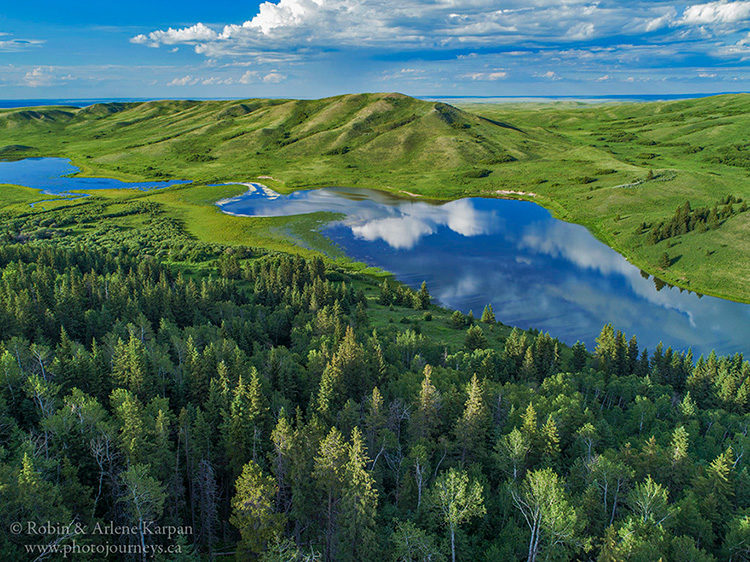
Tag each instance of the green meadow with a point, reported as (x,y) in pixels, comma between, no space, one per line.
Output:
(618,169)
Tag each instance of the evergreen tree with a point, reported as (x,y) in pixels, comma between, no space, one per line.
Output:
(246,420)
(253,510)
(472,426)
(426,418)
(551,440)
(329,472)
(475,338)
(422,298)
(129,366)
(358,506)
(283,438)
(488,315)
(579,357)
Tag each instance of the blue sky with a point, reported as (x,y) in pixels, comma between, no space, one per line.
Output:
(313,48)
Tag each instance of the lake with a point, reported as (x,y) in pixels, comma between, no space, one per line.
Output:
(535,270)
(54,177)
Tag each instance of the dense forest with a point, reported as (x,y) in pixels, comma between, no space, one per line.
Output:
(225,401)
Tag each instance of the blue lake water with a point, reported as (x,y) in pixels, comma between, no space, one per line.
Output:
(537,271)
(53,176)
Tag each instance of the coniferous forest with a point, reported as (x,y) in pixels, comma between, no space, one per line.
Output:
(232,402)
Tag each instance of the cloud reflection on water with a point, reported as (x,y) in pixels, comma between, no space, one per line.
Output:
(370,215)
(536,271)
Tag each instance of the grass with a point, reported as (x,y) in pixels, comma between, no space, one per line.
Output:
(574,158)
(16,197)
(193,206)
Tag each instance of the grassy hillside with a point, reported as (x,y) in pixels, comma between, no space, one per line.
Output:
(609,167)
(372,139)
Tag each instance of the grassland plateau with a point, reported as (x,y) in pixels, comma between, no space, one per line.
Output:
(625,171)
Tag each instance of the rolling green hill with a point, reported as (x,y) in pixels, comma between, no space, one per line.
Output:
(619,169)
(305,142)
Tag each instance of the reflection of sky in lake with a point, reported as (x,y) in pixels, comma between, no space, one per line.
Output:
(52,176)
(535,270)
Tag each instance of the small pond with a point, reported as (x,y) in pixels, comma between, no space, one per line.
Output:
(54,177)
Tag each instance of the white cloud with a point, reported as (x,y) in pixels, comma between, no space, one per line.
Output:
(274,77)
(661,21)
(249,77)
(37,77)
(15,45)
(304,25)
(254,77)
(740,49)
(192,34)
(581,31)
(717,13)
(576,37)
(705,18)
(549,75)
(45,76)
(707,75)
(497,75)
(604,78)
(184,81)
(217,81)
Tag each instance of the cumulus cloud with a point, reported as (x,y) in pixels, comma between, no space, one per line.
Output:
(549,75)
(576,37)
(248,77)
(254,77)
(183,81)
(274,77)
(45,76)
(193,34)
(291,25)
(717,12)
(720,15)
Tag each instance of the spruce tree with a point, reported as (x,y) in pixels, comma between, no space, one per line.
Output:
(329,472)
(488,315)
(422,297)
(579,357)
(472,426)
(359,503)
(426,418)
(253,512)
(475,338)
